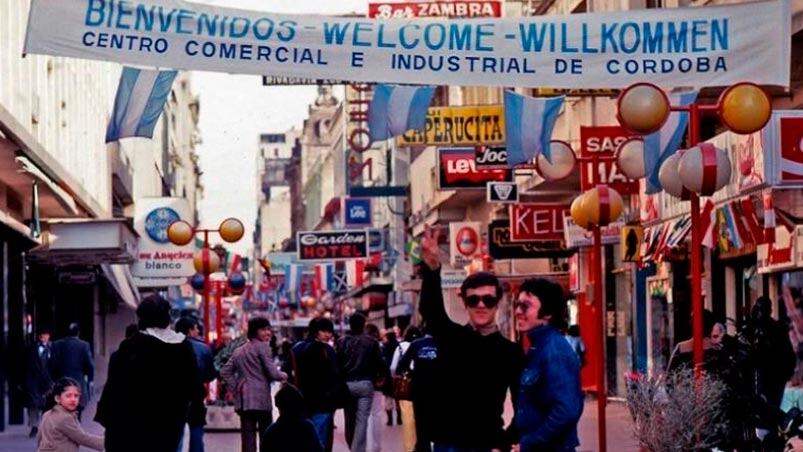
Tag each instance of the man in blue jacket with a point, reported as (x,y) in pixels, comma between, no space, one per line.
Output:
(550,400)
(190,328)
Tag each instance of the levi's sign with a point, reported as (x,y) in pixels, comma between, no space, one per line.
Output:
(537,222)
(457,169)
(671,47)
(332,245)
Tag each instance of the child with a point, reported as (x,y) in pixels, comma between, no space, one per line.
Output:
(59,430)
(292,431)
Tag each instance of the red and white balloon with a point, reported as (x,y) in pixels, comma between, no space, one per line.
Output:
(670,179)
(704,169)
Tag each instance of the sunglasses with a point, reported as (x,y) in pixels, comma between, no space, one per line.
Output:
(488,300)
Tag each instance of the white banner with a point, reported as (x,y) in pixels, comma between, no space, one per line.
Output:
(695,47)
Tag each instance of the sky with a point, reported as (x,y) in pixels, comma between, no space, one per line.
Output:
(235,110)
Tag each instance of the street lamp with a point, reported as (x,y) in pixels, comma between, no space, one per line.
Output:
(205,260)
(744,108)
(593,210)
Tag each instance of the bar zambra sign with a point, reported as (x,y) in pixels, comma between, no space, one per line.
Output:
(673,47)
(459,126)
(446,9)
(332,245)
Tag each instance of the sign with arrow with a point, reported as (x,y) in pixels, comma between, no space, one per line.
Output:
(502,192)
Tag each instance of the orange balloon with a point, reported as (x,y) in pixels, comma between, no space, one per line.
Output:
(180,233)
(642,108)
(745,108)
(206,261)
(603,205)
(578,212)
(231,230)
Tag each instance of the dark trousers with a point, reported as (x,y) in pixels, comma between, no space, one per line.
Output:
(423,442)
(252,424)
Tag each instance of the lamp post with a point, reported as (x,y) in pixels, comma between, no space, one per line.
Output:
(205,260)
(744,108)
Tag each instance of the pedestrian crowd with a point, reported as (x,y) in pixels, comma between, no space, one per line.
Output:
(446,384)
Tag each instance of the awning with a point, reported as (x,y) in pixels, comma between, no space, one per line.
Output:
(86,242)
(119,275)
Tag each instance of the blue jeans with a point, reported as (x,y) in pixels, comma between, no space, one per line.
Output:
(323,426)
(196,439)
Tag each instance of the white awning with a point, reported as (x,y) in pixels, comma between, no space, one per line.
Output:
(119,275)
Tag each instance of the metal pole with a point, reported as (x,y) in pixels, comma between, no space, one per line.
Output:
(219,288)
(599,301)
(205,293)
(696,258)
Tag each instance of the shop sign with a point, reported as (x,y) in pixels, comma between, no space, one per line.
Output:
(575,92)
(577,237)
(598,149)
(502,192)
(632,238)
(157,257)
(491,157)
(464,242)
(452,279)
(792,150)
(785,253)
(357,212)
(457,169)
(537,222)
(332,245)
(446,9)
(459,126)
(574,273)
(501,247)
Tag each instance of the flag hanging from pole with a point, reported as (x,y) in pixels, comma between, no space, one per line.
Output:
(396,109)
(140,99)
(660,145)
(295,272)
(529,122)
(708,224)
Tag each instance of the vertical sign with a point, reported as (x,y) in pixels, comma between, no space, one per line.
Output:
(157,257)
(464,242)
(601,142)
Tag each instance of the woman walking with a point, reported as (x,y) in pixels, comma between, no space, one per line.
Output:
(250,372)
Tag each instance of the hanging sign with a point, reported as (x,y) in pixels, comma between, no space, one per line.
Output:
(502,192)
(157,257)
(464,242)
(705,46)
(598,149)
(357,212)
(446,9)
(632,238)
(459,126)
(457,169)
(537,222)
(501,247)
(491,157)
(577,237)
(332,245)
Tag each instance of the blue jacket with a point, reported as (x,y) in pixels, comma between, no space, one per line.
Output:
(204,358)
(550,399)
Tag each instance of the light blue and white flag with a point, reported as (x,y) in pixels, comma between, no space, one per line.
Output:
(665,142)
(295,272)
(395,109)
(141,96)
(528,126)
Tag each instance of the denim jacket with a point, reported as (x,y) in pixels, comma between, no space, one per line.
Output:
(550,400)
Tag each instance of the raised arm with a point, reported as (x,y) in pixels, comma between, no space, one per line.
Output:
(431,305)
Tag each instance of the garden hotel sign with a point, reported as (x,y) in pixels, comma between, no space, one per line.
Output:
(700,46)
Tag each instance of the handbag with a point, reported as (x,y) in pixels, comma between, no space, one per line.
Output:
(402,387)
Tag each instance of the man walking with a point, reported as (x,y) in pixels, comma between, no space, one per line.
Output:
(316,375)
(72,357)
(476,364)
(550,400)
(206,370)
(360,361)
(37,379)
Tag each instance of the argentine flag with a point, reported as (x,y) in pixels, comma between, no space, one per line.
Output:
(325,276)
(528,126)
(141,96)
(295,272)
(660,145)
(396,109)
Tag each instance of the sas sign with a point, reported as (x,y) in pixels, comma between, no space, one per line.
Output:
(357,211)
(332,245)
(458,169)
(601,143)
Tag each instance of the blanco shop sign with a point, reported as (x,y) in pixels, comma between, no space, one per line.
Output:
(699,46)
(157,256)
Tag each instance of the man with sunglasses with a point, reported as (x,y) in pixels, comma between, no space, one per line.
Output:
(477,365)
(550,400)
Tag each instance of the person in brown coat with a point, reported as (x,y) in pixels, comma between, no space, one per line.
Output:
(250,372)
(60,430)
